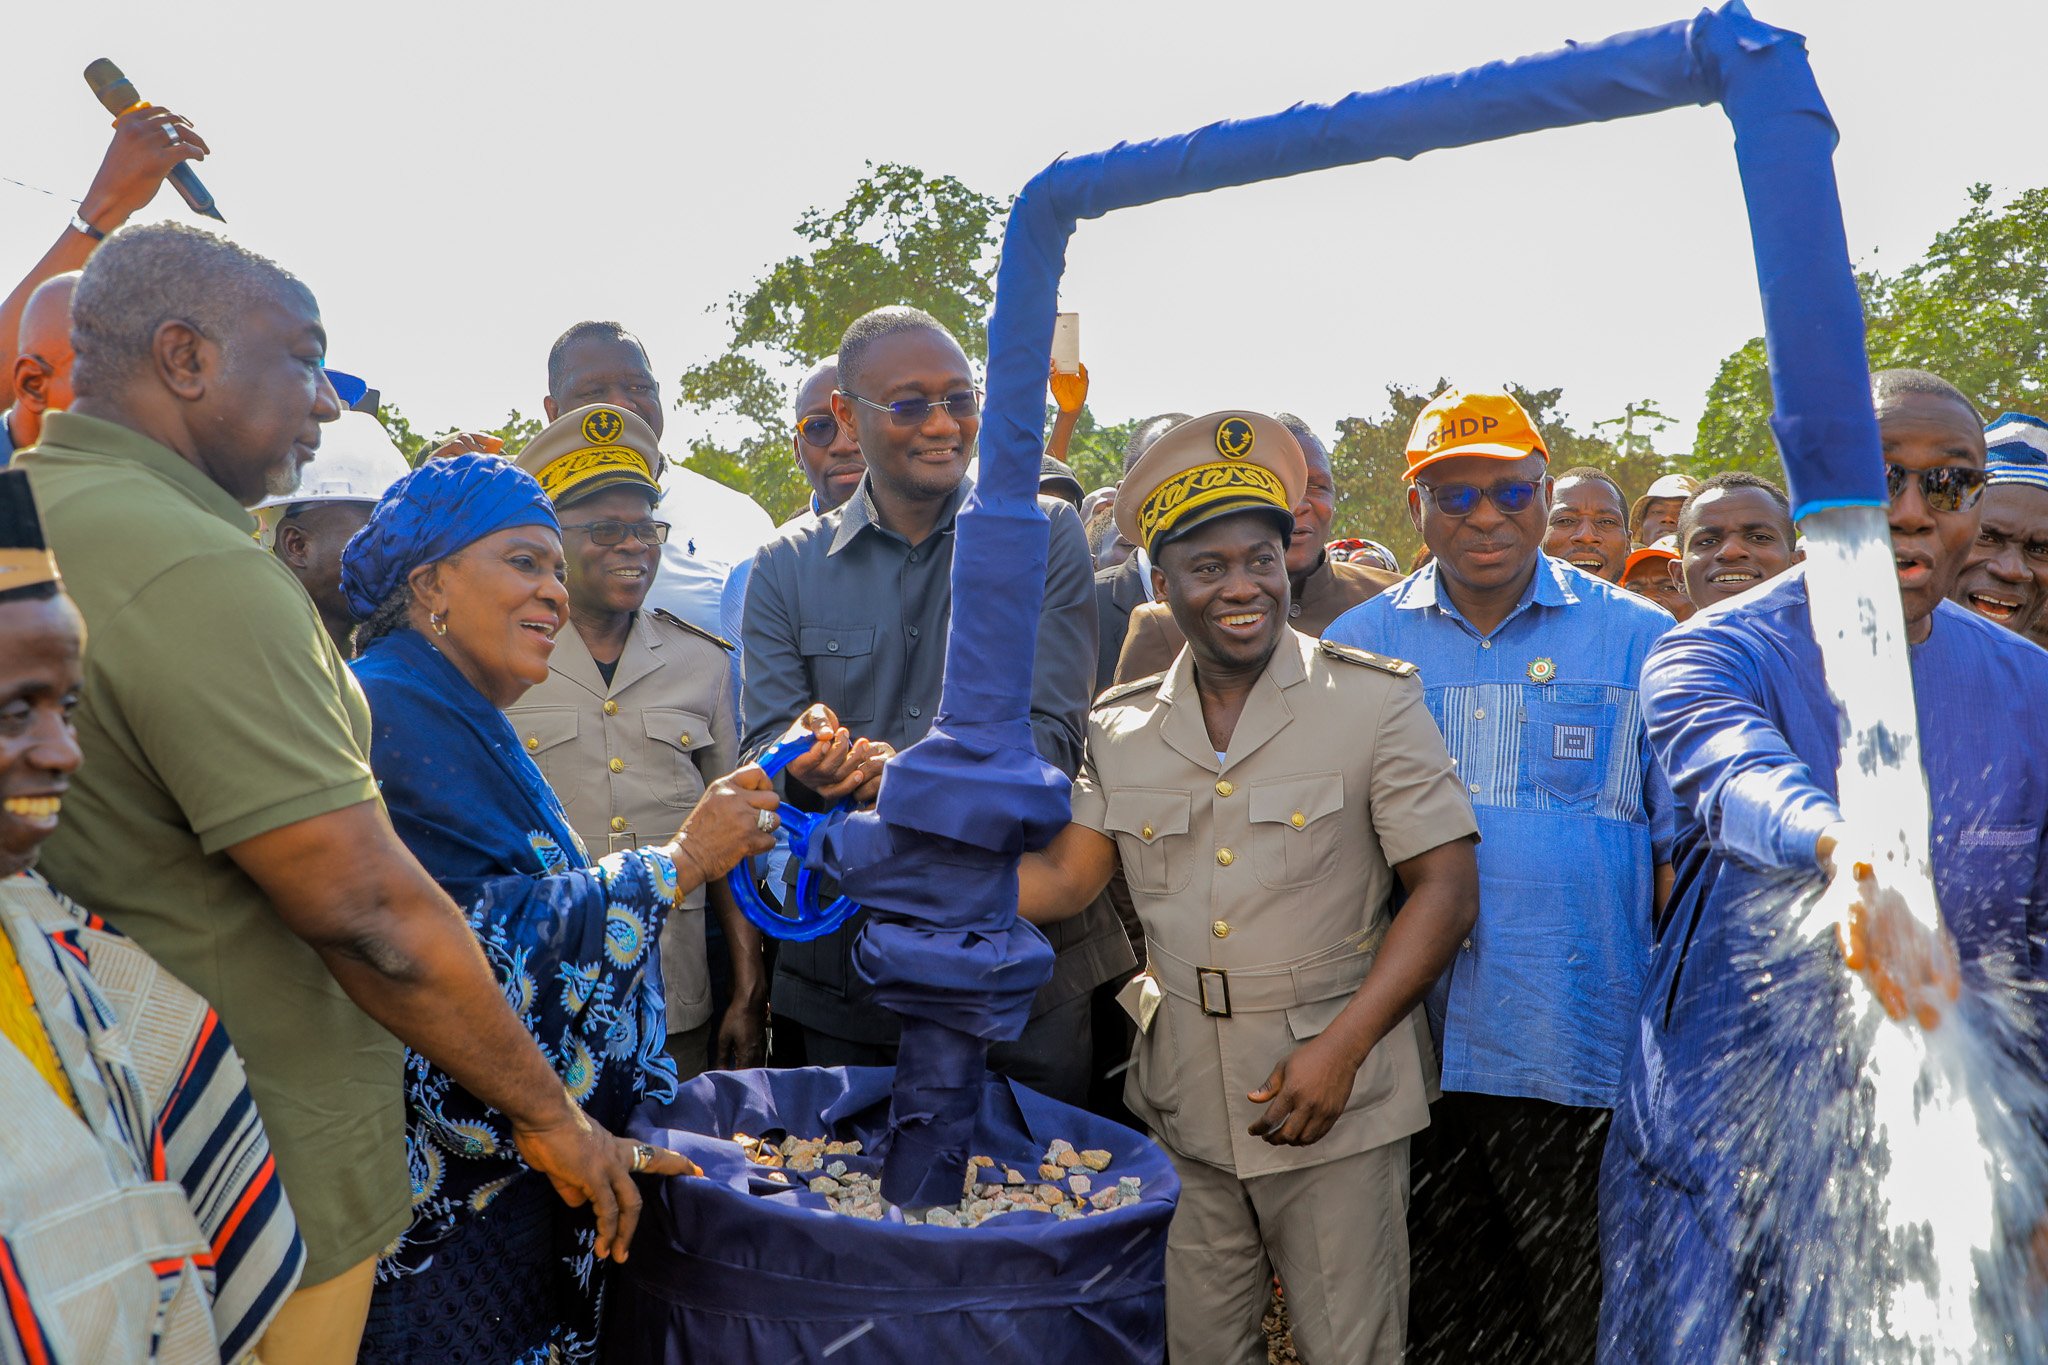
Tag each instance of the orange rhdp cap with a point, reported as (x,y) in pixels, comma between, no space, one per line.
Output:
(1486,422)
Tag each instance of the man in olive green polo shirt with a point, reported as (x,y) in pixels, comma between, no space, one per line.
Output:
(227,819)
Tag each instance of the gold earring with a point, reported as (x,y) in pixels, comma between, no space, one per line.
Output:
(438,621)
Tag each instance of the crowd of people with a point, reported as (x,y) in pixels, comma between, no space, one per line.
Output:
(359,822)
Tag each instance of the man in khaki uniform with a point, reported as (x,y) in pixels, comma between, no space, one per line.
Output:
(636,716)
(1263,795)
(1320,589)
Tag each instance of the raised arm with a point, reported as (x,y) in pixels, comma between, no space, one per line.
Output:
(137,160)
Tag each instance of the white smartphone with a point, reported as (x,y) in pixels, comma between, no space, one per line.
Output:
(1066,343)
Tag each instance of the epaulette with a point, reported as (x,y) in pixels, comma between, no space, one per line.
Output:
(1400,668)
(1112,695)
(663,613)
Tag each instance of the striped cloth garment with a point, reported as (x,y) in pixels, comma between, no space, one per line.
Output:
(147,1224)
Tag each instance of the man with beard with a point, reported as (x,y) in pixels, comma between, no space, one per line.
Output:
(1588,528)
(2005,577)
(1263,798)
(1530,668)
(1320,589)
(228,821)
(1733,534)
(1725,1230)
(852,611)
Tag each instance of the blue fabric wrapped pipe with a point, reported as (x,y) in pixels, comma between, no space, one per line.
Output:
(734,1267)
(1784,144)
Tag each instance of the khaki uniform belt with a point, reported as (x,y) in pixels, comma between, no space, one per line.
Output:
(1223,992)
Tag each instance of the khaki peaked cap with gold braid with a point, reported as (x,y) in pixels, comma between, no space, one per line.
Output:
(1209,467)
(596,447)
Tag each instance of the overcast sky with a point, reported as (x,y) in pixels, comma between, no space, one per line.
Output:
(458,182)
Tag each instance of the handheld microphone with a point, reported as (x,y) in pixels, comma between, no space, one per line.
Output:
(117,93)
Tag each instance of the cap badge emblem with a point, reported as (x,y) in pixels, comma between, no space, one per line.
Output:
(603,427)
(1234,438)
(1541,670)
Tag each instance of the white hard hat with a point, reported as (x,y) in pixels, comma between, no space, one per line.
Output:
(356,462)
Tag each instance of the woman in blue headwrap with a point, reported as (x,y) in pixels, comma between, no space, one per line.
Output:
(457,579)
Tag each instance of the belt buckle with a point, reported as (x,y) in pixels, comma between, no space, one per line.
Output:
(1219,979)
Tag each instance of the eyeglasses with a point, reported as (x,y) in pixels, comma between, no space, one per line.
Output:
(615,532)
(820,429)
(1951,488)
(1461,499)
(915,412)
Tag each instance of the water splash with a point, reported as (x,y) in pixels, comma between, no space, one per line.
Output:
(1930,1174)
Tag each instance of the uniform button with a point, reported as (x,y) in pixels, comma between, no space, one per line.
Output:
(618,765)
(1486,644)
(618,824)
(1145,833)
(913,632)
(1468,945)
(1473,785)
(1479,714)
(913,556)
(831,646)
(1297,819)
(611,708)
(532,744)
(1225,857)
(915,712)
(1224,789)
(684,738)
(1220,929)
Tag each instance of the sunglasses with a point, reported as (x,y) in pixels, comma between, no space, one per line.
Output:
(915,412)
(615,532)
(1461,499)
(820,429)
(1951,488)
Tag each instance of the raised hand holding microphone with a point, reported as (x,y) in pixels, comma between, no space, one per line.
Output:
(143,153)
(117,93)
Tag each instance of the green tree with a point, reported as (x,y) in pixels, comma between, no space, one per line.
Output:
(901,237)
(1973,309)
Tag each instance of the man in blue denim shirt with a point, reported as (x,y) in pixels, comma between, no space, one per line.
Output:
(1530,667)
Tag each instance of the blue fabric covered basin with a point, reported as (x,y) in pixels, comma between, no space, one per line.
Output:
(734,1268)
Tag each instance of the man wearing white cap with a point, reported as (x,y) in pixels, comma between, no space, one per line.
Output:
(307,529)
(1655,514)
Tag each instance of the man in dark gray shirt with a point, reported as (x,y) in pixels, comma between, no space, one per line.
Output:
(852,611)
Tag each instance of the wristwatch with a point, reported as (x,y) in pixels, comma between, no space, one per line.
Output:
(79,224)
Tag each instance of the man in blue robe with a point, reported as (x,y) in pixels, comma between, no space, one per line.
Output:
(1735,1189)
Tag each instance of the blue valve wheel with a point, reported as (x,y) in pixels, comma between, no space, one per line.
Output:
(803,918)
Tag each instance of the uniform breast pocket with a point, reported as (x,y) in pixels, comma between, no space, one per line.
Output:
(673,738)
(1294,827)
(842,660)
(1568,745)
(548,735)
(1150,828)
